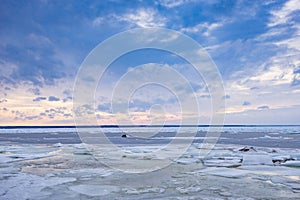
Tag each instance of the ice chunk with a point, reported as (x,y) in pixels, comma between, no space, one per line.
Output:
(226,194)
(186,161)
(295,186)
(188,190)
(271,170)
(292,163)
(257,159)
(143,190)
(224,162)
(224,172)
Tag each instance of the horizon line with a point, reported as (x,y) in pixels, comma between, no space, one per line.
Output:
(141,125)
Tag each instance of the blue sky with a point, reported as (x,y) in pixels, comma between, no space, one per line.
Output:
(255,45)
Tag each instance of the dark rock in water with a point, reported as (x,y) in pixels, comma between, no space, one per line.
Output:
(124,135)
(245,149)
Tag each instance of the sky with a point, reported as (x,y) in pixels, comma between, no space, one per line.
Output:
(254,44)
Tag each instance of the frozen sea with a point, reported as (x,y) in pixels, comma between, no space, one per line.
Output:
(247,162)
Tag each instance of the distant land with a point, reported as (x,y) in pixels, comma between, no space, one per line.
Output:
(172,125)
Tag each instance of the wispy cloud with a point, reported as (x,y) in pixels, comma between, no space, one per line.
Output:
(285,14)
(172,3)
(284,28)
(143,17)
(203,28)
(98,21)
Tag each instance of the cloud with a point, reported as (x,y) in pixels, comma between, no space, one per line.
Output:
(51,113)
(39,99)
(32,117)
(285,115)
(285,14)
(35,91)
(246,103)
(67,92)
(36,55)
(98,21)
(67,99)
(226,96)
(284,26)
(6,71)
(3,100)
(297,70)
(276,69)
(263,108)
(104,107)
(137,105)
(68,115)
(53,98)
(172,3)
(143,17)
(233,57)
(254,88)
(22,116)
(56,112)
(83,110)
(4,109)
(40,40)
(275,74)
(207,96)
(296,81)
(35,61)
(204,28)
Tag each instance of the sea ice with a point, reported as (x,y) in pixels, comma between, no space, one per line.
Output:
(94,190)
(27,186)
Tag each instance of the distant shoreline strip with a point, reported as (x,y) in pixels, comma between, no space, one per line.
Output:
(146,126)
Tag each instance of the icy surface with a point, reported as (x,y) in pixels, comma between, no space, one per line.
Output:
(56,170)
(71,172)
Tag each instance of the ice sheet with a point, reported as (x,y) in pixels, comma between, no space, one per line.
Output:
(66,171)
(232,170)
